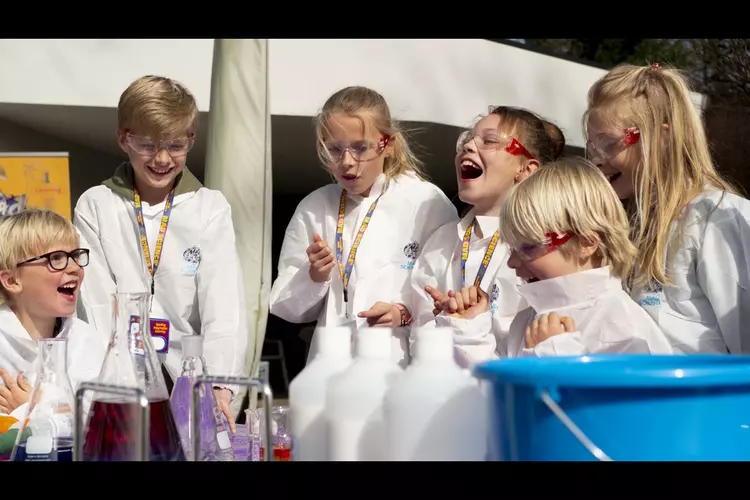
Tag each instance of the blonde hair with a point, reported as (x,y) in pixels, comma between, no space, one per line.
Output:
(372,110)
(30,233)
(569,195)
(159,106)
(675,163)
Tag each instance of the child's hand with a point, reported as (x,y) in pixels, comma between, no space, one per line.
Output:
(224,399)
(441,300)
(547,326)
(15,393)
(382,314)
(468,303)
(321,259)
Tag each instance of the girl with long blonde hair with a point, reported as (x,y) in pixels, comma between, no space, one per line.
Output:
(689,225)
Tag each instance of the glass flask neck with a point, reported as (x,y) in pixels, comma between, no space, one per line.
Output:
(131,359)
(190,366)
(53,357)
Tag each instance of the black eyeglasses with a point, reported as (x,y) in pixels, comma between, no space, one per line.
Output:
(59,259)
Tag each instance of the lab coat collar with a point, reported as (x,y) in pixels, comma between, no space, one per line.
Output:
(485,225)
(122,182)
(12,327)
(376,190)
(565,291)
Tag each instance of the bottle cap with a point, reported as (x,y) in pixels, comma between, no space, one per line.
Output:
(334,341)
(433,343)
(374,342)
(192,346)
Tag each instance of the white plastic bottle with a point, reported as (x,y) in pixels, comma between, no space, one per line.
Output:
(307,393)
(355,399)
(435,411)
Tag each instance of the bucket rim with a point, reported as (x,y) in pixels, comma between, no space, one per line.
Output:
(620,370)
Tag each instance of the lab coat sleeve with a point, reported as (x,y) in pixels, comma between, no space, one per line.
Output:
(294,296)
(473,340)
(722,272)
(435,211)
(94,303)
(612,337)
(565,344)
(221,298)
(420,304)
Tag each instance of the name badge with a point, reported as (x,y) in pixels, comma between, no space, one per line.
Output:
(160,335)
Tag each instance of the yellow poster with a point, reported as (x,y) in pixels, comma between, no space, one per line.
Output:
(34,180)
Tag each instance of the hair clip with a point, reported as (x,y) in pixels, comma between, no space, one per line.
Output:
(655,66)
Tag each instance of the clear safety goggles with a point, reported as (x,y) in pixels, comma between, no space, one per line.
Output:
(144,146)
(360,151)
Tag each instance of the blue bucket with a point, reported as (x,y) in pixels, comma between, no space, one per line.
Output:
(619,407)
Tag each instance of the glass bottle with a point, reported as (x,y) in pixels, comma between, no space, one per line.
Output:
(216,444)
(282,440)
(47,432)
(131,361)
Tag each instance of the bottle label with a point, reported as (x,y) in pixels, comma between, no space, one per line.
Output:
(160,335)
(134,336)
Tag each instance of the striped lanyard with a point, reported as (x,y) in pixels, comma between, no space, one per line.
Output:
(160,238)
(346,270)
(485,260)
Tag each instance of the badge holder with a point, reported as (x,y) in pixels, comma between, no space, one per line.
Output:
(260,383)
(143,444)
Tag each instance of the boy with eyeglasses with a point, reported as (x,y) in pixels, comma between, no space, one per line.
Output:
(152,227)
(41,271)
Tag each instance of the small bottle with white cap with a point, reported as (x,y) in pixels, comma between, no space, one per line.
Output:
(355,398)
(436,411)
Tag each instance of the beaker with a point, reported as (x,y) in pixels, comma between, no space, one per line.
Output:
(282,440)
(47,431)
(216,444)
(131,362)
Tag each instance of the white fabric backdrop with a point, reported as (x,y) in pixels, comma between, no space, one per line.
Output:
(238,163)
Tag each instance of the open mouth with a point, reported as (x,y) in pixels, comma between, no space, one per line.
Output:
(159,172)
(68,291)
(532,280)
(469,170)
(349,177)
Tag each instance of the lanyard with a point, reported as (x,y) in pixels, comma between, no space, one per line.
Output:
(485,260)
(159,240)
(346,271)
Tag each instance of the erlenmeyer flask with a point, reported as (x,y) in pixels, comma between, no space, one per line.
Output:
(131,361)
(216,444)
(47,431)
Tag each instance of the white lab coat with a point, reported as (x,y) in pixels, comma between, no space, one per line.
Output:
(19,352)
(198,282)
(439,266)
(406,215)
(607,320)
(707,309)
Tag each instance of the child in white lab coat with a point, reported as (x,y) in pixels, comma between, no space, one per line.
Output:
(350,247)
(152,227)
(569,235)
(691,228)
(41,271)
(503,148)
